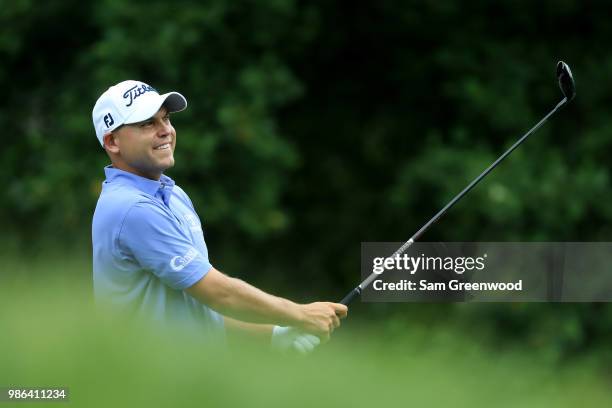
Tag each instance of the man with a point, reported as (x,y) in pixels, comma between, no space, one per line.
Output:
(149,253)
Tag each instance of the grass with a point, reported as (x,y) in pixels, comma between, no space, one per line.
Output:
(52,336)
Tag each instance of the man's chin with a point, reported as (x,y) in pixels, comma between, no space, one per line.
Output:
(168,164)
(171,164)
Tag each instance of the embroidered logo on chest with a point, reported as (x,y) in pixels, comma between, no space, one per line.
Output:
(193,222)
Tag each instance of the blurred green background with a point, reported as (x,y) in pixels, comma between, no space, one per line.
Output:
(313,126)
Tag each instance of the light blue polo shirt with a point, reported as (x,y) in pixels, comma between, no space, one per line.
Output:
(148,246)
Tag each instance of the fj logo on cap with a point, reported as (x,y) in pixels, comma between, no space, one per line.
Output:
(108,120)
(135,91)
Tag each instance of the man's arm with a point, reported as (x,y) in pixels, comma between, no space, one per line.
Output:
(262,333)
(237,299)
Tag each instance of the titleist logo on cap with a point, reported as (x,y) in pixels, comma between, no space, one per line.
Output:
(137,90)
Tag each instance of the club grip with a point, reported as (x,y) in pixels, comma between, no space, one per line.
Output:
(351,295)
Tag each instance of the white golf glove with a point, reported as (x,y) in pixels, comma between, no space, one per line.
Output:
(290,338)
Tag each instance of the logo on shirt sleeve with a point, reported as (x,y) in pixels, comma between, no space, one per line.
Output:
(179,262)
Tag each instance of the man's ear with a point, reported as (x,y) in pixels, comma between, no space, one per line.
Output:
(110,143)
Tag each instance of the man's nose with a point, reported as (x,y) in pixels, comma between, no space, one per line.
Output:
(163,128)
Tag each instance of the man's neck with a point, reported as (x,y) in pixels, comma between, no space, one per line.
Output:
(130,169)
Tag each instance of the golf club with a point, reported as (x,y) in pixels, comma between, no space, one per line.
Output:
(566,83)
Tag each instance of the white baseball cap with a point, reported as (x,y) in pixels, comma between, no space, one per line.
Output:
(131,102)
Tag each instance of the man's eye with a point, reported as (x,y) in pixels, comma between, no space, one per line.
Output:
(146,124)
(167,118)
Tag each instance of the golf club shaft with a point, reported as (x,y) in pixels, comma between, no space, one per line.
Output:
(357,291)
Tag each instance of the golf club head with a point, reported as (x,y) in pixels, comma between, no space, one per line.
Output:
(566,80)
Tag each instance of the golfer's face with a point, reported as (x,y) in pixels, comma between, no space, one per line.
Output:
(147,147)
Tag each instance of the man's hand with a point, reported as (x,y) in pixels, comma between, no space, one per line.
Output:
(290,338)
(321,318)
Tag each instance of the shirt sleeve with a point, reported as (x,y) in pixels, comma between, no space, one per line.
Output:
(154,238)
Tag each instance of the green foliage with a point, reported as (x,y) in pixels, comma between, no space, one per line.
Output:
(57,339)
(314,126)
(232,158)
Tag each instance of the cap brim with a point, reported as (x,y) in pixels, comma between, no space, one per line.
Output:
(173,101)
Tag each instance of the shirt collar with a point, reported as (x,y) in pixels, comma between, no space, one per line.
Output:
(157,188)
